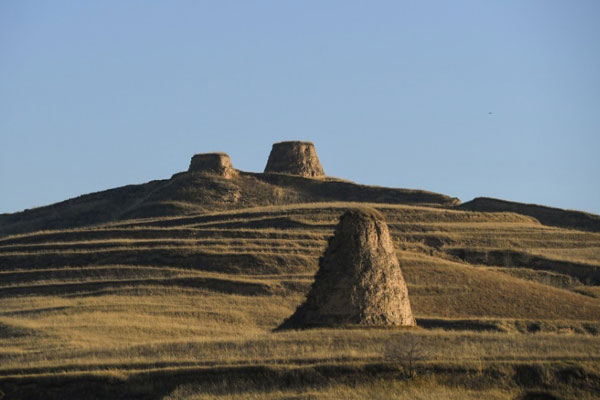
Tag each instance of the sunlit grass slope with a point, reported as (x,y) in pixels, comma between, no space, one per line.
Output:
(205,291)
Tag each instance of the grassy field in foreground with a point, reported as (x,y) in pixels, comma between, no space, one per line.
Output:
(176,327)
(421,389)
(204,292)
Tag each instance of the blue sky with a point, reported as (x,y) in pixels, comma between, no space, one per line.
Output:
(95,95)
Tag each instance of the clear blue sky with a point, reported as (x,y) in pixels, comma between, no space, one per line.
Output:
(100,94)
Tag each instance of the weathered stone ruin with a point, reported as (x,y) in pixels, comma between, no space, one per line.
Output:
(359,281)
(295,158)
(212,164)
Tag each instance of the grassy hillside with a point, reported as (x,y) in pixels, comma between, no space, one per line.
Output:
(193,193)
(546,215)
(184,306)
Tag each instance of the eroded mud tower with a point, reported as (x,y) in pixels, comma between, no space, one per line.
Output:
(212,164)
(295,158)
(359,281)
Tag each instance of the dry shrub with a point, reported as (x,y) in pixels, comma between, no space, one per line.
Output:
(407,351)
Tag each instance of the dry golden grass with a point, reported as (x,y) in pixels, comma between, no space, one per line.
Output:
(146,326)
(584,255)
(141,298)
(422,389)
(445,288)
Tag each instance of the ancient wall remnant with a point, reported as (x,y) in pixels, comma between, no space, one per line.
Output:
(212,164)
(359,281)
(295,158)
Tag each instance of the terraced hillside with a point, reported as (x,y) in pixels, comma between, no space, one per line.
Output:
(191,193)
(172,289)
(153,305)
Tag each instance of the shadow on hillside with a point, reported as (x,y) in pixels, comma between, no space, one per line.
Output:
(533,379)
(83,288)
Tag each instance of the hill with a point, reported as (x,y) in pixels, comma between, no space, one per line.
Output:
(190,193)
(173,289)
(546,215)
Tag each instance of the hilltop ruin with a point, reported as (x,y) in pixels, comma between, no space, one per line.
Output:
(294,174)
(212,164)
(359,281)
(295,158)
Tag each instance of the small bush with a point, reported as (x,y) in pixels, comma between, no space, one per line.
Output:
(407,351)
